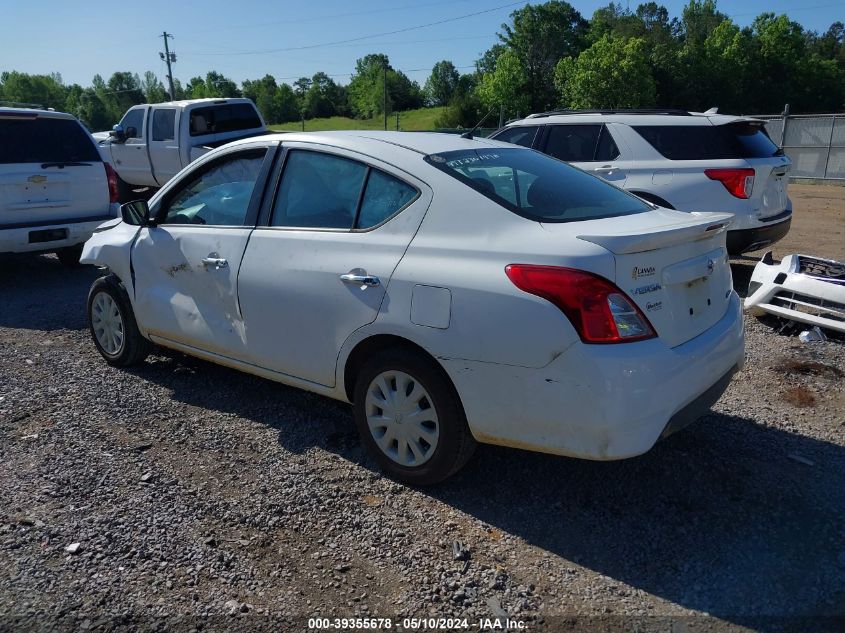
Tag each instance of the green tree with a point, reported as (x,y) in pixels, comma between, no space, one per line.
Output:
(465,108)
(153,89)
(45,90)
(441,84)
(217,85)
(505,87)
(366,94)
(324,97)
(612,73)
(539,36)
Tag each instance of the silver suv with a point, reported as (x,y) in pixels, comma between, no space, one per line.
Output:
(55,188)
(689,161)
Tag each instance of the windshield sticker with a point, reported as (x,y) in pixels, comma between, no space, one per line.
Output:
(644,290)
(437,158)
(469,160)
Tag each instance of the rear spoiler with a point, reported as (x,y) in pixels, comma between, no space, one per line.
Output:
(701,225)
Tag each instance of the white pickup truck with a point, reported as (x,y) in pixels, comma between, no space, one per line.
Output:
(153,142)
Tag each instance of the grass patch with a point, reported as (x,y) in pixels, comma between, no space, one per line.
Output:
(409,121)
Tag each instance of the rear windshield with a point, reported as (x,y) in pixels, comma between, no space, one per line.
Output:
(45,140)
(536,186)
(704,142)
(224,118)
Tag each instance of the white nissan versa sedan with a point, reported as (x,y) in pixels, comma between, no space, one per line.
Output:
(454,290)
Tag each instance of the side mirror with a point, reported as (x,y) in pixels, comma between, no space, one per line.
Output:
(136,213)
(118,134)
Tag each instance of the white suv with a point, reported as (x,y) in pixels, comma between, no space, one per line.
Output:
(54,187)
(687,161)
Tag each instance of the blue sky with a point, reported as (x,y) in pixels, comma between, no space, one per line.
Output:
(81,39)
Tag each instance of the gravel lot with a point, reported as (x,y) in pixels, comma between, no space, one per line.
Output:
(184,489)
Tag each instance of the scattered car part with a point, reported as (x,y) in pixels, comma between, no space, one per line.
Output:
(800,288)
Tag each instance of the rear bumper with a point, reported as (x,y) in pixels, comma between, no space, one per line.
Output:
(766,232)
(601,402)
(30,238)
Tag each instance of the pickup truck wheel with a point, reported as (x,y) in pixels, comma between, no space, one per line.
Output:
(70,256)
(112,324)
(410,417)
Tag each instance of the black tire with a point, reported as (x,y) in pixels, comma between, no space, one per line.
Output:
(134,348)
(70,256)
(455,444)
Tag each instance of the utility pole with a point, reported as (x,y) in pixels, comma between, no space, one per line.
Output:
(397,121)
(168,57)
(384,93)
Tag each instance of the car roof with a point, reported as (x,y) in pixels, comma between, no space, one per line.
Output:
(642,117)
(379,143)
(34,113)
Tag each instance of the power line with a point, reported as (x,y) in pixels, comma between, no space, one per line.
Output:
(323,18)
(367,37)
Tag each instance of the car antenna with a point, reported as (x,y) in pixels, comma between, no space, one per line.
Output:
(477,125)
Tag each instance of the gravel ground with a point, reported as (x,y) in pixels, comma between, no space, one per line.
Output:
(218,500)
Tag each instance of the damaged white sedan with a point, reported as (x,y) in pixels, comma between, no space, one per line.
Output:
(800,288)
(454,290)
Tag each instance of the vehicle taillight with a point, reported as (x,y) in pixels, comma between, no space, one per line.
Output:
(739,182)
(598,310)
(111,176)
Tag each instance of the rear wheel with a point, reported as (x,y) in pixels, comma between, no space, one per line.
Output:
(113,326)
(410,418)
(70,256)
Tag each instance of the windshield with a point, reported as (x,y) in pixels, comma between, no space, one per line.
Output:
(537,186)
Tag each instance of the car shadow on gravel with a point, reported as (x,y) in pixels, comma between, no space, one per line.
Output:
(728,517)
(39,293)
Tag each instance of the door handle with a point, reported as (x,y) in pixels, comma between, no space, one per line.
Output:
(607,168)
(363,280)
(217,262)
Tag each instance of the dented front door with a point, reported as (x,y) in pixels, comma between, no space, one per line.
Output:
(186,285)
(186,266)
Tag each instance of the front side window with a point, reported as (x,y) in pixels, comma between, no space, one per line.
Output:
(318,191)
(133,123)
(573,143)
(537,186)
(164,125)
(518,135)
(218,196)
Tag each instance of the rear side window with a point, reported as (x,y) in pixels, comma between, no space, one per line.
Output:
(573,143)
(318,191)
(383,198)
(706,142)
(537,186)
(228,117)
(164,125)
(518,135)
(45,140)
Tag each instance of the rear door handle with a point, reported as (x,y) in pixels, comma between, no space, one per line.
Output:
(363,280)
(216,262)
(607,168)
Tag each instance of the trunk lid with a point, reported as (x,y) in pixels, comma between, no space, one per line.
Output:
(673,265)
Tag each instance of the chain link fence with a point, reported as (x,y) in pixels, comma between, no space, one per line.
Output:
(815,143)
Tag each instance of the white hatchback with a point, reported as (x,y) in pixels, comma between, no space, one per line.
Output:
(54,187)
(454,290)
(690,161)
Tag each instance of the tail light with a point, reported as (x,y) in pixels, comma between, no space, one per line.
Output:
(111,176)
(598,310)
(739,182)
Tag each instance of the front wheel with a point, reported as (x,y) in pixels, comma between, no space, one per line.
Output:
(113,326)
(410,418)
